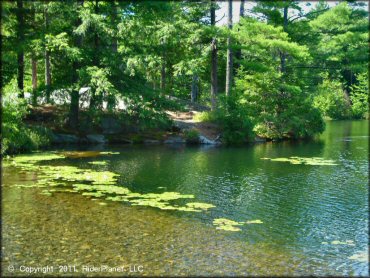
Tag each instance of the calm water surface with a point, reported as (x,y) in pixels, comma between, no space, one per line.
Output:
(307,212)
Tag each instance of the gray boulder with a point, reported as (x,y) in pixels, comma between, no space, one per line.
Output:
(59,138)
(205,140)
(175,140)
(151,142)
(96,138)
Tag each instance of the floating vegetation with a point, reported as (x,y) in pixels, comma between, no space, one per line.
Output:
(227,224)
(96,184)
(109,153)
(360,257)
(230,225)
(98,162)
(337,242)
(26,159)
(204,206)
(46,192)
(254,222)
(303,160)
(84,154)
(166,196)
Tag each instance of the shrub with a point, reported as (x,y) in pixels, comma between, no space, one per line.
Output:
(233,118)
(16,136)
(192,136)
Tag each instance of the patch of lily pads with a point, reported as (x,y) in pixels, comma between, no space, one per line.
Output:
(360,257)
(85,154)
(231,225)
(227,224)
(303,160)
(95,184)
(338,242)
(98,163)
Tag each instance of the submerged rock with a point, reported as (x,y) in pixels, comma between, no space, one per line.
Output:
(175,140)
(151,141)
(205,140)
(96,138)
(58,138)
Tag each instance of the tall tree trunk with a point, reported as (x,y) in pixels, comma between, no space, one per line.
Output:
(47,61)
(194,88)
(114,23)
(282,55)
(75,97)
(20,52)
(95,100)
(34,65)
(163,74)
(213,61)
(238,53)
(34,79)
(229,63)
(241,11)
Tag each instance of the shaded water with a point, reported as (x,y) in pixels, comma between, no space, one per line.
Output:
(314,217)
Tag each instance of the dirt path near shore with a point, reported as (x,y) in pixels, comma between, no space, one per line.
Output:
(185,120)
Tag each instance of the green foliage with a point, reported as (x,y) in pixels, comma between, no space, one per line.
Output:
(142,52)
(343,40)
(234,119)
(192,136)
(146,114)
(360,96)
(16,136)
(206,116)
(275,101)
(331,100)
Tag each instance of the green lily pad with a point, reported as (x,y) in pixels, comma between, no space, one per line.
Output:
(98,162)
(204,206)
(227,224)
(303,160)
(360,257)
(347,242)
(97,184)
(254,222)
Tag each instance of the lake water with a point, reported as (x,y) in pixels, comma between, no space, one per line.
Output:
(299,209)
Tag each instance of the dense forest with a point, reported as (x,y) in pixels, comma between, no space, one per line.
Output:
(277,73)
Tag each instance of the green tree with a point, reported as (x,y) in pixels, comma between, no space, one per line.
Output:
(278,106)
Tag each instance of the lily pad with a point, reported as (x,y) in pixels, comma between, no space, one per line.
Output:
(227,224)
(254,222)
(303,160)
(97,184)
(204,206)
(98,162)
(360,257)
(347,242)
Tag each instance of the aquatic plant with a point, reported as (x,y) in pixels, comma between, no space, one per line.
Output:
(338,242)
(98,162)
(227,224)
(360,257)
(204,206)
(254,222)
(97,184)
(303,160)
